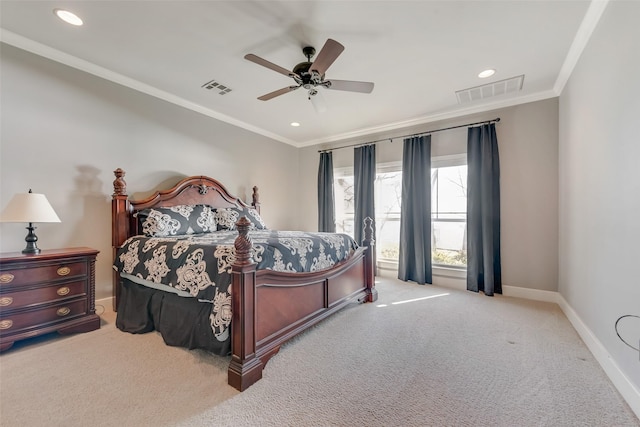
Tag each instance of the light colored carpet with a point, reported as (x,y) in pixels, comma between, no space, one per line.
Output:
(108,378)
(420,356)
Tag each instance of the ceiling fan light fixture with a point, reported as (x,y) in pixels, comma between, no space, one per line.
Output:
(68,17)
(309,75)
(487,73)
(317,100)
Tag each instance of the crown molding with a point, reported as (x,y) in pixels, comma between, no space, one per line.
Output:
(40,49)
(587,27)
(450,114)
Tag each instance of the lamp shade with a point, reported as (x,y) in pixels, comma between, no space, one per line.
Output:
(29,207)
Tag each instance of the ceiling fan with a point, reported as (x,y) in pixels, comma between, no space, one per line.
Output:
(310,75)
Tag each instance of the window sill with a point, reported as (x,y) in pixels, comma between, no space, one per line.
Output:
(455,273)
(458,273)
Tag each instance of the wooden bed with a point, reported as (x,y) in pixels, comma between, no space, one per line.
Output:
(263,316)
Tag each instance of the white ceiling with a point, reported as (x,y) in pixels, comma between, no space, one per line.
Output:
(418,54)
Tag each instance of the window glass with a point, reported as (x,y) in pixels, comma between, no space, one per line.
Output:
(448,209)
(449,216)
(344,201)
(388,187)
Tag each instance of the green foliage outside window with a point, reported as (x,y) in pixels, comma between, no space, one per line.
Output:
(438,256)
(452,258)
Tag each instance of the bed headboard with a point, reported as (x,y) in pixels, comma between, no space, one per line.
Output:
(194,190)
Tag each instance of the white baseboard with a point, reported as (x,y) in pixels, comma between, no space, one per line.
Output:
(627,389)
(453,279)
(450,282)
(528,293)
(629,392)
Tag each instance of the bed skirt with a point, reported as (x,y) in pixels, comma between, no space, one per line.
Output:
(182,322)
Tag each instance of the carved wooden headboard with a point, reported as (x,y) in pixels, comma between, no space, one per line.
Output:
(194,190)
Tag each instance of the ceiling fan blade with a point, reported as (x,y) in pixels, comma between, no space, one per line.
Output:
(253,58)
(329,52)
(278,92)
(351,86)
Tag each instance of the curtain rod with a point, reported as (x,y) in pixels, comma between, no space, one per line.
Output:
(411,135)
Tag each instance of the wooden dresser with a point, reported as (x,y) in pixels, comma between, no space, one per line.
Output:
(51,291)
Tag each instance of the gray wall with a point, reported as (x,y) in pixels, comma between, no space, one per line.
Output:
(528,144)
(600,184)
(63,132)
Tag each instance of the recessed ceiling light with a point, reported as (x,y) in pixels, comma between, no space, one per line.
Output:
(68,17)
(487,73)
(295,124)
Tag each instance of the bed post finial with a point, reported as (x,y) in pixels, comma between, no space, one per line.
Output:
(369,242)
(245,368)
(119,225)
(119,185)
(367,230)
(243,242)
(256,199)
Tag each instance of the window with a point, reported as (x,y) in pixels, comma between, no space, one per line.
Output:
(343,183)
(388,193)
(388,198)
(448,209)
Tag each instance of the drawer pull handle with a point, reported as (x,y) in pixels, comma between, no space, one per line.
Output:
(63,311)
(5,301)
(63,291)
(6,324)
(6,278)
(63,271)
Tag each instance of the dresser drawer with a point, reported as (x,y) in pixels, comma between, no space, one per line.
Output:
(42,317)
(35,274)
(48,294)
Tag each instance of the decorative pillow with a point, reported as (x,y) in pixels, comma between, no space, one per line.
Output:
(226,218)
(176,220)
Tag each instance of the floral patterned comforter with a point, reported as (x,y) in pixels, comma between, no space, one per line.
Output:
(200,264)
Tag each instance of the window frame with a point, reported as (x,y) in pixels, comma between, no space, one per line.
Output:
(444,161)
(396,166)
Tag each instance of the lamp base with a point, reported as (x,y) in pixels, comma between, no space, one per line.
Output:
(31,240)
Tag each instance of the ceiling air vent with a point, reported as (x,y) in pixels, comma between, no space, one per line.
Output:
(215,85)
(514,84)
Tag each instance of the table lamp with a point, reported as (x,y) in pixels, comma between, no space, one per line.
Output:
(29,207)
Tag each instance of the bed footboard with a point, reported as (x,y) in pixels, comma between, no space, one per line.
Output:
(269,308)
